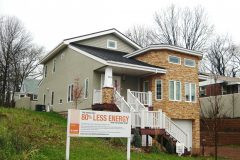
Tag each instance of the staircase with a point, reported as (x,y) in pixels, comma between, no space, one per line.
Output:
(153,123)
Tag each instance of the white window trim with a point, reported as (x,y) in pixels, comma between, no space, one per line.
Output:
(175,90)
(86,79)
(156,89)
(35,98)
(173,62)
(110,46)
(190,92)
(189,65)
(70,93)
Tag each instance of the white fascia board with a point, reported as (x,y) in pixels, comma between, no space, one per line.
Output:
(52,52)
(232,83)
(88,55)
(203,77)
(103,33)
(168,47)
(136,67)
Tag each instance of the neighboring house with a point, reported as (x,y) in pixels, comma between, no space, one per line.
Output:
(29,88)
(220,85)
(162,78)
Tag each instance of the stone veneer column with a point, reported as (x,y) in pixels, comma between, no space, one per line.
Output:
(107,95)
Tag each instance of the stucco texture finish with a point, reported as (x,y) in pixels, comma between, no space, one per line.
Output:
(69,66)
(180,72)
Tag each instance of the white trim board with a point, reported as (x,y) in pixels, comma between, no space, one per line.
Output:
(164,46)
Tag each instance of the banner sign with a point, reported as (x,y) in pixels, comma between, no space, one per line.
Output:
(88,123)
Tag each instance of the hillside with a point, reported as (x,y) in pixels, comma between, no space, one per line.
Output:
(32,135)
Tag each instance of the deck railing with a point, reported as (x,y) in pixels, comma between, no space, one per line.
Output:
(97,96)
(134,102)
(121,103)
(144,97)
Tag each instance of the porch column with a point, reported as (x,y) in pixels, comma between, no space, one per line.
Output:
(107,90)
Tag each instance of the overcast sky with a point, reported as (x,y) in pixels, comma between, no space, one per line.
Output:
(51,21)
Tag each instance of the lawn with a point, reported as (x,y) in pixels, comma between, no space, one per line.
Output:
(29,135)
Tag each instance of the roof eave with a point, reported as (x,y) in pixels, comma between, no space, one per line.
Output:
(161,47)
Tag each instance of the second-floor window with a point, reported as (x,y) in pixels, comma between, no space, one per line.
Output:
(174,90)
(52,98)
(189,62)
(111,44)
(174,59)
(54,65)
(190,92)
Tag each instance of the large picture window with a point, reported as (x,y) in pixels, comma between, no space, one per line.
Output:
(158,89)
(190,92)
(175,90)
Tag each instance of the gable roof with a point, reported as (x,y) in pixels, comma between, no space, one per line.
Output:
(110,55)
(66,42)
(165,46)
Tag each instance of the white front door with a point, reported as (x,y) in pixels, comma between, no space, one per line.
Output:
(116,82)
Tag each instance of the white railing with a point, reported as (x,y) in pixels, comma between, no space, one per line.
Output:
(175,131)
(144,97)
(97,96)
(134,102)
(122,105)
(158,120)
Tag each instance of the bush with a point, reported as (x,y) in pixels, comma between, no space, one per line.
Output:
(137,140)
(154,149)
(118,141)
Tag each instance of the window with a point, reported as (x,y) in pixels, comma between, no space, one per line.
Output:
(175,90)
(35,97)
(174,59)
(189,62)
(190,92)
(158,89)
(86,89)
(45,71)
(202,91)
(54,65)
(60,101)
(70,93)
(145,86)
(62,56)
(111,44)
(44,99)
(52,98)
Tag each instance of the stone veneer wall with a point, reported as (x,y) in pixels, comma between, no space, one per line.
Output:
(175,109)
(107,95)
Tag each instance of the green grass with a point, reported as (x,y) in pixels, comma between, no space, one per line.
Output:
(29,135)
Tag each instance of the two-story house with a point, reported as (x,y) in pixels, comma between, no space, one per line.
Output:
(157,84)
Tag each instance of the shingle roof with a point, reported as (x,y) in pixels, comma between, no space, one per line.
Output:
(111,55)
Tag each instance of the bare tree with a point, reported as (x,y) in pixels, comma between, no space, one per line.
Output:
(220,57)
(186,27)
(212,115)
(140,34)
(18,56)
